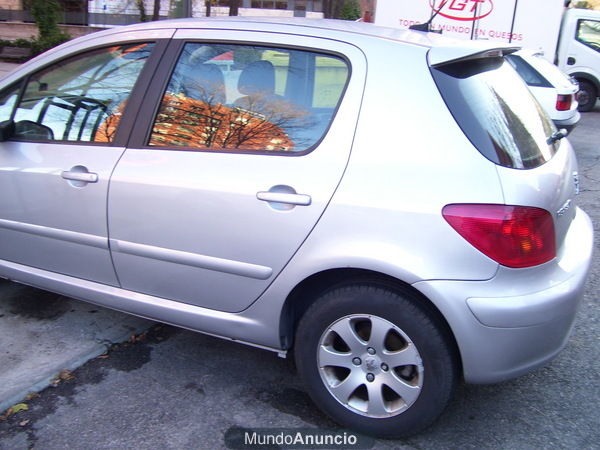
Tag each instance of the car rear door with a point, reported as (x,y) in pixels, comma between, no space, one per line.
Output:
(226,177)
(55,170)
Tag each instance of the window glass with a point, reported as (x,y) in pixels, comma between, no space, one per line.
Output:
(8,98)
(497,112)
(531,76)
(588,33)
(80,98)
(239,97)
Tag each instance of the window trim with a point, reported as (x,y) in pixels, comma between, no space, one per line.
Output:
(140,137)
(135,98)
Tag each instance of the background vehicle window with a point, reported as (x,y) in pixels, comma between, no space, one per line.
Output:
(588,33)
(531,76)
(240,97)
(80,98)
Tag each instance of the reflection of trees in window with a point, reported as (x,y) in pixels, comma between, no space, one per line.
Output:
(82,99)
(262,124)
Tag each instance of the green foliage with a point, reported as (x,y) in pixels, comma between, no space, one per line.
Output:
(176,9)
(46,14)
(142,9)
(582,4)
(350,10)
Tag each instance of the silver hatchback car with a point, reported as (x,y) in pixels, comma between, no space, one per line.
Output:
(391,205)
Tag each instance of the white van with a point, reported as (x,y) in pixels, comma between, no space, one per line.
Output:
(570,38)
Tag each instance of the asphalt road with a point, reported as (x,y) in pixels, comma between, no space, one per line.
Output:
(176,389)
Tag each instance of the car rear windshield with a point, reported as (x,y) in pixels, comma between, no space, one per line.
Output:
(497,112)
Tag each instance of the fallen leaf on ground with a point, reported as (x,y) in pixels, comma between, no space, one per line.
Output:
(32,395)
(19,407)
(13,410)
(138,337)
(24,423)
(66,375)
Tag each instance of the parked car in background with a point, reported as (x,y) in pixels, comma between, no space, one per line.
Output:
(569,37)
(556,92)
(392,205)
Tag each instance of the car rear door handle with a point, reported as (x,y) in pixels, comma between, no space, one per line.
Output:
(86,177)
(282,197)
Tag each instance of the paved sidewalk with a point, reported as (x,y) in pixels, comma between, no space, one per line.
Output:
(42,333)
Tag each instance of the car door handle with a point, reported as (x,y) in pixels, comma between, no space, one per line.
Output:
(86,177)
(282,197)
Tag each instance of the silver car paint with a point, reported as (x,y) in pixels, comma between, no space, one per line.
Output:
(49,223)
(209,201)
(383,216)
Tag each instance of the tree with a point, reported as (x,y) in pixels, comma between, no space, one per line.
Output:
(156,10)
(350,10)
(234,6)
(331,9)
(46,15)
(142,9)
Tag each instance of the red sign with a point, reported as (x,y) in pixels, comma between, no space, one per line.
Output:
(466,10)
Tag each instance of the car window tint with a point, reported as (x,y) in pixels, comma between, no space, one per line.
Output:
(497,112)
(80,98)
(239,97)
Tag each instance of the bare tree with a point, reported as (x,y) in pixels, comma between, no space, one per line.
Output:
(261,123)
(331,8)
(156,10)
(234,6)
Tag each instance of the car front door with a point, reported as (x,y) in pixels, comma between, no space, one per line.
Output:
(235,166)
(56,166)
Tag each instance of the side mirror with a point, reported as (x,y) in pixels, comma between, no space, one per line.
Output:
(7,130)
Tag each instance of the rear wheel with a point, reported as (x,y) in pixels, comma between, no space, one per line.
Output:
(587,96)
(375,361)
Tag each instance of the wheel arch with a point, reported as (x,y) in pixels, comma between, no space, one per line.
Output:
(307,291)
(587,77)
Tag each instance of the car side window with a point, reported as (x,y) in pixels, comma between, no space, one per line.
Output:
(232,97)
(80,98)
(588,33)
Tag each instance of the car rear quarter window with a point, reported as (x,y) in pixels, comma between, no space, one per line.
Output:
(497,112)
(233,97)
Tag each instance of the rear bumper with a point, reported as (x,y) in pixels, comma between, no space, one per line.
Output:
(570,123)
(521,318)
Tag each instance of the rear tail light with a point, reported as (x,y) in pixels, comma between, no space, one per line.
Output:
(514,236)
(563,102)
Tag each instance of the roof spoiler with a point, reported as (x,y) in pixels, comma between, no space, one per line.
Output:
(440,56)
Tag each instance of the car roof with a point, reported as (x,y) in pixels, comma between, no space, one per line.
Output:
(444,49)
(293,25)
(441,49)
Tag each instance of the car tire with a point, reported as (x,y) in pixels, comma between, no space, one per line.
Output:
(587,96)
(376,360)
